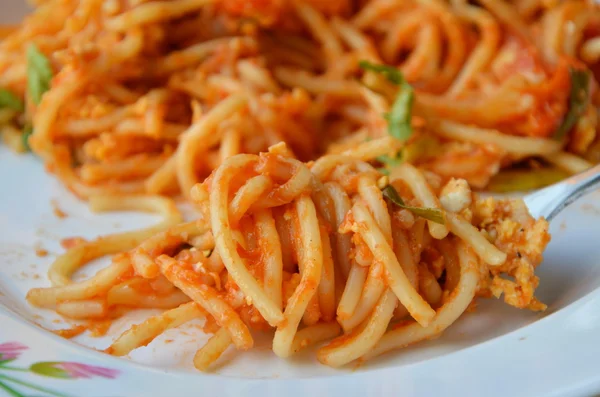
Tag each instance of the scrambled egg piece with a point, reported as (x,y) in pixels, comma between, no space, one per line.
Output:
(456,195)
(510,227)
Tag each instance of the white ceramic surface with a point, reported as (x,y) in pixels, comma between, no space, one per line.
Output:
(497,348)
(496,351)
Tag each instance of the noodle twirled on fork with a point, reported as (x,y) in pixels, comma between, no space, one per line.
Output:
(325,250)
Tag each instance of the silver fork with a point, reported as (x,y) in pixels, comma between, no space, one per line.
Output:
(548,202)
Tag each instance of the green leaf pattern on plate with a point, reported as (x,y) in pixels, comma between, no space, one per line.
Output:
(11,351)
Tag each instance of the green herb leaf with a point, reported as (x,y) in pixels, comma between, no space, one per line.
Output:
(432,214)
(578,101)
(391,73)
(400,116)
(10,100)
(39,73)
(390,161)
(27,131)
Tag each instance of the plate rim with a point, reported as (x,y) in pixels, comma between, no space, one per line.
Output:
(373,381)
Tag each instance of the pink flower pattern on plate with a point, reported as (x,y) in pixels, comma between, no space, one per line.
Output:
(84,371)
(11,350)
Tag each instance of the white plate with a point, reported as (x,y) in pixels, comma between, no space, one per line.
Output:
(496,351)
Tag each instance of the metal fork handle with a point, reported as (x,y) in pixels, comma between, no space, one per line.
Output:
(550,201)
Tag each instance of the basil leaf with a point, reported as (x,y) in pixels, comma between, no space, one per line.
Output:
(391,73)
(578,101)
(27,131)
(10,100)
(390,161)
(39,73)
(431,214)
(400,116)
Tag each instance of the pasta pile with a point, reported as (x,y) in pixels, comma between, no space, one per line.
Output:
(331,249)
(113,95)
(329,148)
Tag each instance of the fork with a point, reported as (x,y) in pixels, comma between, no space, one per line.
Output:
(548,202)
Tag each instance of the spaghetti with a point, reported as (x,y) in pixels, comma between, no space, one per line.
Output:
(329,147)
(129,97)
(312,251)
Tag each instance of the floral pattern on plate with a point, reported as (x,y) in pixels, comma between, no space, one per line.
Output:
(10,352)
